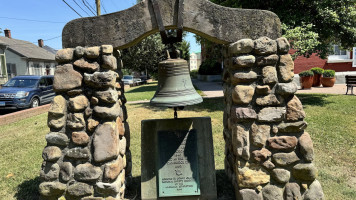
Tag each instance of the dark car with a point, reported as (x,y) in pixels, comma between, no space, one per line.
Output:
(26,92)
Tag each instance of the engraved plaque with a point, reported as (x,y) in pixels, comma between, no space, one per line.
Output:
(178,173)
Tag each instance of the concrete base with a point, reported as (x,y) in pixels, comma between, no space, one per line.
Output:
(149,155)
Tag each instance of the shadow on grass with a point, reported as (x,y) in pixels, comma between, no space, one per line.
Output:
(149,87)
(133,188)
(208,104)
(28,190)
(225,190)
(314,99)
(224,187)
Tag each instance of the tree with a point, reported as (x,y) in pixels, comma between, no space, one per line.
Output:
(310,25)
(184,48)
(146,55)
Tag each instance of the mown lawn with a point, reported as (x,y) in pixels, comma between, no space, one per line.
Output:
(142,92)
(331,123)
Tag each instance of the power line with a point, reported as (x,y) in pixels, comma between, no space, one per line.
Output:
(27,42)
(53,38)
(32,20)
(88,7)
(81,7)
(71,8)
(102,4)
(113,2)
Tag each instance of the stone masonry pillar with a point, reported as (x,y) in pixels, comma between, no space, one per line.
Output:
(268,154)
(87,153)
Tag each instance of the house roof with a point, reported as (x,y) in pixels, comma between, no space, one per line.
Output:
(27,49)
(50,49)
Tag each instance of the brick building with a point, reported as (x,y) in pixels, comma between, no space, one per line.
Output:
(340,61)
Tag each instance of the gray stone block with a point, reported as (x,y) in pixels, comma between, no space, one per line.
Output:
(199,16)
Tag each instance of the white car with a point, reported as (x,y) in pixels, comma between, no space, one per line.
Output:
(128,80)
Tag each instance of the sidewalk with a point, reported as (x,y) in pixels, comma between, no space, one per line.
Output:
(215,89)
(23,114)
(210,89)
(337,89)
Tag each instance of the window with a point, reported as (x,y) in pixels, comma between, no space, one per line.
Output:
(16,82)
(11,70)
(36,69)
(338,55)
(338,51)
(49,81)
(43,82)
(2,65)
(354,57)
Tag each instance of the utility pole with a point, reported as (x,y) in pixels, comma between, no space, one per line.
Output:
(98,12)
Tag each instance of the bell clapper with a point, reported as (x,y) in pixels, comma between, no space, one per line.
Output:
(175,111)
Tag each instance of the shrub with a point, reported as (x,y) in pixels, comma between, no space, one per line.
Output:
(329,73)
(317,70)
(210,67)
(306,73)
(154,76)
(126,71)
(194,73)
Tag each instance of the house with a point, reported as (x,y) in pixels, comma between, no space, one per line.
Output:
(194,61)
(18,57)
(339,60)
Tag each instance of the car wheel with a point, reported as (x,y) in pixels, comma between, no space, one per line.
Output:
(34,103)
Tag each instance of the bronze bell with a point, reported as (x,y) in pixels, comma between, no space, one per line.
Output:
(175,88)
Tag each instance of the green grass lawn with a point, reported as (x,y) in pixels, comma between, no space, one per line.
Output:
(142,92)
(331,124)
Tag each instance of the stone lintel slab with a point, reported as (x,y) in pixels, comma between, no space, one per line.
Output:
(149,155)
(217,23)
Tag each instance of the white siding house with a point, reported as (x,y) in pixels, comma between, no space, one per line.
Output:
(18,57)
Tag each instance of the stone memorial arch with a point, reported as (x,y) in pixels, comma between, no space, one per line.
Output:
(268,155)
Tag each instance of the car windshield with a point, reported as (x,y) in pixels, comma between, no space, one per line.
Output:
(128,77)
(28,83)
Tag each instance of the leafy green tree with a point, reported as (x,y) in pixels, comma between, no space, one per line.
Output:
(184,48)
(302,39)
(146,55)
(311,25)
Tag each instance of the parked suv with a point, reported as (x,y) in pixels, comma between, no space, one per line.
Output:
(26,92)
(128,80)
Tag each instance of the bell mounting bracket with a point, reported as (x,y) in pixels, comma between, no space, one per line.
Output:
(162,30)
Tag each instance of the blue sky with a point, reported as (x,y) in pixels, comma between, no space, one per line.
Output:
(16,15)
